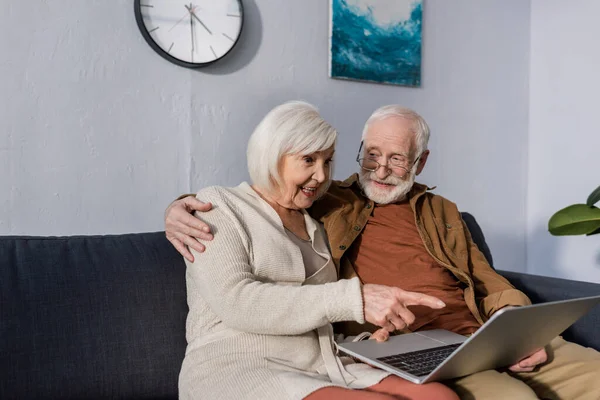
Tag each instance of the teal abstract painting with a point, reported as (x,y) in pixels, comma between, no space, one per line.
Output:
(376,41)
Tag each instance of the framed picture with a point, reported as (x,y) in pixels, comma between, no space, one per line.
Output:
(376,41)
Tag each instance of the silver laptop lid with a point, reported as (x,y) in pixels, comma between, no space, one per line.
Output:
(509,336)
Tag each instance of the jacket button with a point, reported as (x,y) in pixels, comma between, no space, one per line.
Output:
(357,228)
(448,226)
(342,247)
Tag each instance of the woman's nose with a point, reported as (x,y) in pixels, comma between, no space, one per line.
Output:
(320,174)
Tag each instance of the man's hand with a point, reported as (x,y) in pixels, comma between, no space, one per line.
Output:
(182,228)
(528,364)
(386,306)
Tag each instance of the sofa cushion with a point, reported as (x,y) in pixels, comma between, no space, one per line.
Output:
(91,317)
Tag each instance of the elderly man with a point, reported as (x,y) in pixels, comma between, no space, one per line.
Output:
(385,228)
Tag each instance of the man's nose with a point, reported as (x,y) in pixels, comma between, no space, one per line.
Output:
(383,171)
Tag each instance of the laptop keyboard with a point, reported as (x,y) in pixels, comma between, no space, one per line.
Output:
(420,362)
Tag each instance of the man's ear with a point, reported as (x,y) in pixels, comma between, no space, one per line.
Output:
(422,161)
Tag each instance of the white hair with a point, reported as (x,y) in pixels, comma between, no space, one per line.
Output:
(420,127)
(295,127)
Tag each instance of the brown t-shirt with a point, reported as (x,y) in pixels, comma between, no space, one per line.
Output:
(394,255)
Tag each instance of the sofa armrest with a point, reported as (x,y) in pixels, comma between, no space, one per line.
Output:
(543,289)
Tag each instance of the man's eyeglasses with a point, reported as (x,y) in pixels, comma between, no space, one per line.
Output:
(394,163)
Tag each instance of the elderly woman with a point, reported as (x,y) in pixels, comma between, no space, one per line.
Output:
(265,292)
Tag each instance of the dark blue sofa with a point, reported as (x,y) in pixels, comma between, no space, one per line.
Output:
(90,317)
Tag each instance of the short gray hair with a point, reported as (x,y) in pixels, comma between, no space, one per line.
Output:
(420,127)
(295,127)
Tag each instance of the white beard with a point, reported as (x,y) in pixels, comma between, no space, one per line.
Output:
(386,196)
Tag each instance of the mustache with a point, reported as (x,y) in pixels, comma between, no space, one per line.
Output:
(389,180)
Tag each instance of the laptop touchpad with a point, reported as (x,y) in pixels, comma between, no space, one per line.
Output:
(445,337)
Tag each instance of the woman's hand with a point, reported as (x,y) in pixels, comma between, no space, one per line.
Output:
(182,228)
(387,306)
(381,335)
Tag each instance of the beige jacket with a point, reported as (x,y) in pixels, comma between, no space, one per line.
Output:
(258,328)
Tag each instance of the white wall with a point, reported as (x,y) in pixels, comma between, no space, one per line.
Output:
(564,145)
(91,125)
(98,133)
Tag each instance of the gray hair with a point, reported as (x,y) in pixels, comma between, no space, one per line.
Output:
(420,127)
(295,127)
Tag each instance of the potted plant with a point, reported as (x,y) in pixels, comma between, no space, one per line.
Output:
(577,219)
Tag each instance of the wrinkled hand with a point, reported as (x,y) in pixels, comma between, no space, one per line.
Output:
(386,306)
(182,228)
(528,364)
(381,335)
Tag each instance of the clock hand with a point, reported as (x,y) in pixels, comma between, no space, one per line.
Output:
(182,18)
(194,15)
(198,19)
(192,32)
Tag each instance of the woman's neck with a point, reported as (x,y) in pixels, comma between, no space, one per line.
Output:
(292,219)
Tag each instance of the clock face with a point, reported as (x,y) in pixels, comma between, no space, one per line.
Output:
(193,33)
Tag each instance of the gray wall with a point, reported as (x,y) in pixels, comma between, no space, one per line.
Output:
(564,160)
(98,133)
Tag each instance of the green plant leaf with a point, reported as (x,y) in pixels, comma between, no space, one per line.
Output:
(578,219)
(594,197)
(597,231)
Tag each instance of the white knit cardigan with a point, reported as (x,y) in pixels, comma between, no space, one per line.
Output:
(258,328)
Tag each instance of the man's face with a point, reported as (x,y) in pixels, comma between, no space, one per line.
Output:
(389,139)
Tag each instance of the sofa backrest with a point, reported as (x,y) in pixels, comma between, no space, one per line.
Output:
(91,317)
(477,236)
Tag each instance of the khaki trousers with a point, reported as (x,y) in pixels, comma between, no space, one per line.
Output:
(571,372)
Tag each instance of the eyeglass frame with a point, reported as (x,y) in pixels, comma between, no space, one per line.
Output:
(387,165)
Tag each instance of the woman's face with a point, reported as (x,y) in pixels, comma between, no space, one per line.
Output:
(304,178)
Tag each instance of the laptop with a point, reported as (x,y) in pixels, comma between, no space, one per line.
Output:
(510,335)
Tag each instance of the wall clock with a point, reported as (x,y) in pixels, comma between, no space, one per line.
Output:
(190,34)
